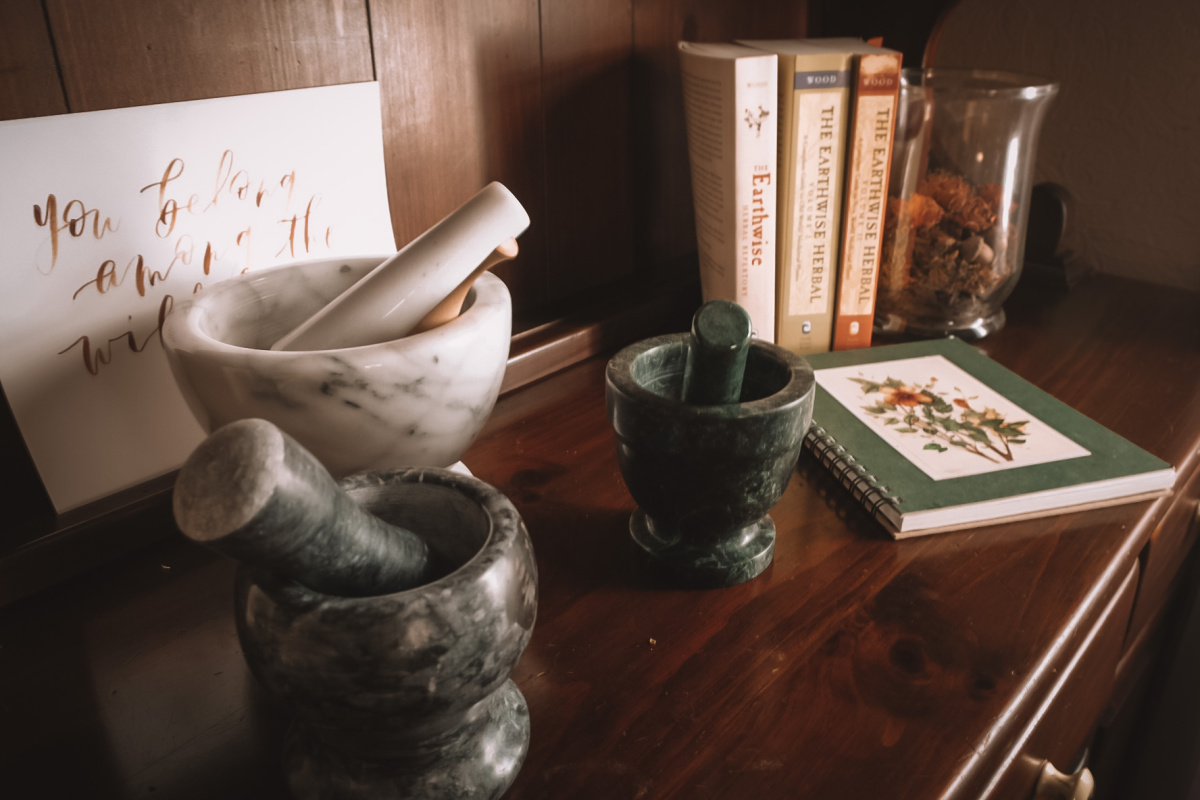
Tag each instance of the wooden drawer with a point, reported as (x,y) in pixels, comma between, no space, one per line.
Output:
(1163,557)
(1064,723)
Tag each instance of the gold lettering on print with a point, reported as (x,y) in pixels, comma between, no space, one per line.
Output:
(75,220)
(96,357)
(270,204)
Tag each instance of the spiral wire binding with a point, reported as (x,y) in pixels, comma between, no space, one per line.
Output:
(864,487)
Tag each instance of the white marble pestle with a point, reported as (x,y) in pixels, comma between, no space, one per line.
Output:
(452,304)
(392,299)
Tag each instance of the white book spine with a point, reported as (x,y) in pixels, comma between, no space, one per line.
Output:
(731,111)
(756,187)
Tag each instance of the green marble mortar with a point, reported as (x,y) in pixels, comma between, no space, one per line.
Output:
(705,476)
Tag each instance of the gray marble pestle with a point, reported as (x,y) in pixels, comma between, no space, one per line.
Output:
(409,694)
(391,300)
(397,675)
(252,492)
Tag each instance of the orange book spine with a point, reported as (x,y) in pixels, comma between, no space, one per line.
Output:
(868,165)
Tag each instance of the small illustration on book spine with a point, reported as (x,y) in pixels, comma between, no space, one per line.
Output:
(755,118)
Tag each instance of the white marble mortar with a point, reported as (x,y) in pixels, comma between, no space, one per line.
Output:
(416,401)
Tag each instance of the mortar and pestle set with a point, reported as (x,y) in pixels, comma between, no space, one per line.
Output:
(709,426)
(369,365)
(387,610)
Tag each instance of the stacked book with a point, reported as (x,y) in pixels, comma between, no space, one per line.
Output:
(790,148)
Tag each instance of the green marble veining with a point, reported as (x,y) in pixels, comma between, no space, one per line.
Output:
(705,477)
(404,694)
(707,564)
(716,355)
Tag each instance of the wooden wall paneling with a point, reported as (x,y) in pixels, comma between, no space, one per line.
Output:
(29,85)
(117,53)
(586,48)
(664,221)
(461,94)
(907,27)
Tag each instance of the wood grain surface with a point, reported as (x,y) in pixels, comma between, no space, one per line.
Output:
(589,179)
(116,53)
(29,83)
(855,666)
(461,90)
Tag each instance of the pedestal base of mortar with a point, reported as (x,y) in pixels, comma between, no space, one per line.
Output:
(405,695)
(479,757)
(706,477)
(730,560)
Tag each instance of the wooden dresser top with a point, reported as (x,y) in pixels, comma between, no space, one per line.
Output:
(855,666)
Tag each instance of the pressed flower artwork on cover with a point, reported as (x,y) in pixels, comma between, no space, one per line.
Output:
(942,419)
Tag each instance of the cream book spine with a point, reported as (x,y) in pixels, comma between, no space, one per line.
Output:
(730,102)
(814,106)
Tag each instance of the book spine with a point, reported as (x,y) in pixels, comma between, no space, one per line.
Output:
(868,163)
(731,108)
(854,476)
(756,123)
(814,108)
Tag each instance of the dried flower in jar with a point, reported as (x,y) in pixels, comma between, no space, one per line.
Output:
(963,205)
(941,246)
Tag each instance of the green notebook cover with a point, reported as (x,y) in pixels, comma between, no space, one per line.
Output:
(935,435)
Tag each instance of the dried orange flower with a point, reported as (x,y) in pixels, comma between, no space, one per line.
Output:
(905,396)
(961,204)
(975,215)
(991,193)
(925,211)
(949,190)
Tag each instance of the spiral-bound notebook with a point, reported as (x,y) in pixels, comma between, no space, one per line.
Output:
(934,436)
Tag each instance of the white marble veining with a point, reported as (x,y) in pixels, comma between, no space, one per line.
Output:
(416,401)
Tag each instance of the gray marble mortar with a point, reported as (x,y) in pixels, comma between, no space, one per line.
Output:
(405,694)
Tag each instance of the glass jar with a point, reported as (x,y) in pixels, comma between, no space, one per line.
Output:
(958,199)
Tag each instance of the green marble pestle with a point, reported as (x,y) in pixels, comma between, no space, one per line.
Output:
(716,356)
(254,493)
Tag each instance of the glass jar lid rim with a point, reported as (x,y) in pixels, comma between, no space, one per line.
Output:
(978,81)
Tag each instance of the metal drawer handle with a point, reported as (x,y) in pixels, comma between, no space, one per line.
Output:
(1055,785)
